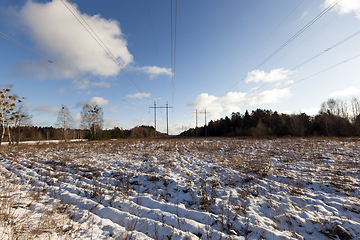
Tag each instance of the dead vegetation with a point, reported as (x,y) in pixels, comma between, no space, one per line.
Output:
(223,178)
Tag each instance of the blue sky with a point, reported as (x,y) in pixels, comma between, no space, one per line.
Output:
(219,45)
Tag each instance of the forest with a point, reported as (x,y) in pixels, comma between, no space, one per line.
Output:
(34,133)
(336,118)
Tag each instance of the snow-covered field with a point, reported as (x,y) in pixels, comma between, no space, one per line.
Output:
(45,141)
(181,189)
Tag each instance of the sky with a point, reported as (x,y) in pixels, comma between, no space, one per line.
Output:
(214,56)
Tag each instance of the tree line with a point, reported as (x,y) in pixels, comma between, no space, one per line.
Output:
(339,118)
(35,133)
(15,123)
(336,117)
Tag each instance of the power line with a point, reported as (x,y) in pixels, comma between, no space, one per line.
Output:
(167,116)
(289,41)
(307,38)
(328,49)
(205,126)
(52,62)
(299,32)
(173,46)
(152,29)
(252,53)
(103,46)
(316,56)
(312,75)
(175,49)
(3,35)
(324,70)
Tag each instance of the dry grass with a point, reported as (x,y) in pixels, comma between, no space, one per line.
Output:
(25,215)
(287,165)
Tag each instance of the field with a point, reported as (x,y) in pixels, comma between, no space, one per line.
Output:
(181,189)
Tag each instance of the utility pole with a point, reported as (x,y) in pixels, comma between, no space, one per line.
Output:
(205,126)
(154,107)
(196,124)
(205,123)
(167,116)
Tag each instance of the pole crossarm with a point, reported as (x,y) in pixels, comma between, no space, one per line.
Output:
(196,122)
(167,116)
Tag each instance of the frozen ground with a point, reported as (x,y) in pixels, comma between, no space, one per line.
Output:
(181,189)
(44,141)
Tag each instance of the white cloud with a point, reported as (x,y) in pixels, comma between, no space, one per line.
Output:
(344,93)
(269,96)
(77,116)
(85,84)
(273,76)
(111,123)
(113,110)
(303,15)
(139,95)
(55,31)
(154,71)
(203,100)
(218,105)
(39,69)
(231,102)
(47,109)
(36,122)
(140,120)
(95,100)
(179,127)
(346,6)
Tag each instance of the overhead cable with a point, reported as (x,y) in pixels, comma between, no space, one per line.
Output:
(173,46)
(103,46)
(316,56)
(324,70)
(289,40)
(52,62)
(152,29)
(252,53)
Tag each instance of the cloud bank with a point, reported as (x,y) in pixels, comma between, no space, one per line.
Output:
(47,109)
(155,71)
(231,102)
(59,35)
(55,30)
(94,101)
(274,75)
(345,93)
(345,7)
(139,95)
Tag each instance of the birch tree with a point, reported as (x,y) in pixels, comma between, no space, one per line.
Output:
(92,119)
(20,118)
(8,102)
(65,121)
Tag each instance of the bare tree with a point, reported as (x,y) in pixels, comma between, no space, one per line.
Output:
(335,107)
(330,107)
(20,118)
(355,105)
(65,121)
(92,119)
(8,103)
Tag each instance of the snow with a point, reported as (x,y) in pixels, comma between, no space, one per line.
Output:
(45,141)
(183,189)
